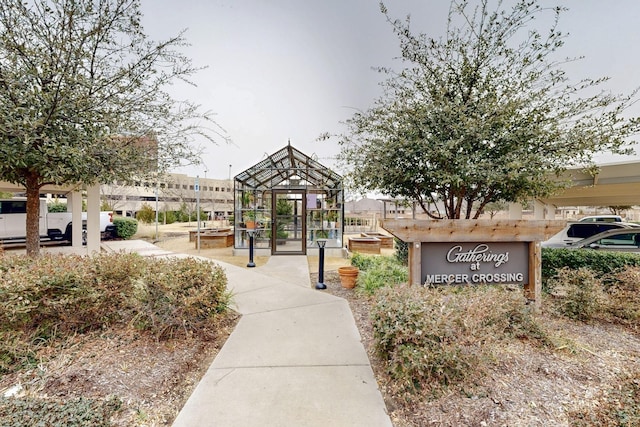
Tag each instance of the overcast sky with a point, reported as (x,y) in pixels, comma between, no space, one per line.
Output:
(281,70)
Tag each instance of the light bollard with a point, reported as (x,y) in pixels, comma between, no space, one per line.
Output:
(321,244)
(251,234)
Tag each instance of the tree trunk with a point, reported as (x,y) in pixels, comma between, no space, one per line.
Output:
(33,217)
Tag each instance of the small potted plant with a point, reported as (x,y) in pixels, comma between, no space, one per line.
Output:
(249,218)
(332,217)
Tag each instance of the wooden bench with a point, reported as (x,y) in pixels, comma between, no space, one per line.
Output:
(386,241)
(365,245)
(215,240)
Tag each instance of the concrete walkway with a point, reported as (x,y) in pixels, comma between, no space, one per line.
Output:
(294,359)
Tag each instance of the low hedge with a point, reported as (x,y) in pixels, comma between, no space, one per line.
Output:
(602,263)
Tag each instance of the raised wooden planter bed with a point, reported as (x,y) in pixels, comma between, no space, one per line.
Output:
(386,241)
(193,234)
(365,245)
(215,240)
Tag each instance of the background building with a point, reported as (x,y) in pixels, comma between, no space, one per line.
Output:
(172,192)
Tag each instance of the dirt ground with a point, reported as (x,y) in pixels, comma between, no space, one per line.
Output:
(527,387)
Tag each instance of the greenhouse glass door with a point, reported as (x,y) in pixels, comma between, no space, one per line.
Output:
(288,228)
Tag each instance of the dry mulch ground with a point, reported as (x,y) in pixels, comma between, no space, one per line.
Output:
(153,379)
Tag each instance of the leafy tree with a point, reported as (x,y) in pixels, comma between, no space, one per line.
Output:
(492,208)
(618,210)
(83,99)
(483,114)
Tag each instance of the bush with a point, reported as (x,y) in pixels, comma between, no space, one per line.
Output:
(578,293)
(146,214)
(623,293)
(402,251)
(56,207)
(125,227)
(168,217)
(384,274)
(602,263)
(378,271)
(435,337)
(45,299)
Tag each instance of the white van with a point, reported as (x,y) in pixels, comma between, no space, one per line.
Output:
(52,225)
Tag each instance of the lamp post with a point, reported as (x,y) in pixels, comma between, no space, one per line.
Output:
(251,263)
(321,244)
(197,189)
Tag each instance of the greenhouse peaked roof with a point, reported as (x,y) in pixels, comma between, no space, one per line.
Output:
(285,164)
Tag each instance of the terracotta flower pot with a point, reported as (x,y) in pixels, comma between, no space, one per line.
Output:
(348,276)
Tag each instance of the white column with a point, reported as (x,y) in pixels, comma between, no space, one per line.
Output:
(538,209)
(93,219)
(550,211)
(515,211)
(74,204)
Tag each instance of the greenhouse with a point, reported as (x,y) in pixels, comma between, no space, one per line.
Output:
(287,203)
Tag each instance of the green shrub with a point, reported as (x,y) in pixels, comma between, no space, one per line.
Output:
(577,293)
(146,214)
(378,271)
(185,214)
(125,227)
(168,217)
(435,337)
(365,262)
(56,207)
(385,274)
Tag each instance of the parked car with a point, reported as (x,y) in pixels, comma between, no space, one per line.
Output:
(602,218)
(576,231)
(617,240)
